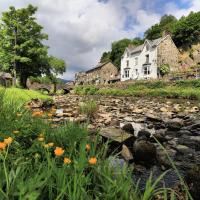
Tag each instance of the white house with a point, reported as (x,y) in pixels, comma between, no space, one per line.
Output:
(142,62)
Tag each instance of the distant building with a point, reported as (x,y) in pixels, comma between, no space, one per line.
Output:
(101,74)
(142,62)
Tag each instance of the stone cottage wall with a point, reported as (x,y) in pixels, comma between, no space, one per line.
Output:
(168,54)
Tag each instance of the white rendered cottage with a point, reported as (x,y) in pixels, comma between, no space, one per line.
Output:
(142,62)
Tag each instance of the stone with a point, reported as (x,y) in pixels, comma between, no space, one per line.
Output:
(144,152)
(183,149)
(144,134)
(193,180)
(115,134)
(152,117)
(126,153)
(174,124)
(128,128)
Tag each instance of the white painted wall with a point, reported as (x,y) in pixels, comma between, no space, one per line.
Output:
(152,52)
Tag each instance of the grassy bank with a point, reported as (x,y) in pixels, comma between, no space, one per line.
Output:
(20,96)
(187,89)
(39,161)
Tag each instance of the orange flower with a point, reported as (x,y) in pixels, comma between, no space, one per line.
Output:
(50,114)
(37,114)
(51,144)
(59,151)
(67,161)
(8,141)
(87,146)
(40,139)
(2,145)
(15,132)
(92,161)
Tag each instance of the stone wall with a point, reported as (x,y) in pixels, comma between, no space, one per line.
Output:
(168,54)
(99,75)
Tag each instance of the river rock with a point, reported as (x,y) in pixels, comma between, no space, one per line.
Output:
(126,153)
(144,152)
(128,128)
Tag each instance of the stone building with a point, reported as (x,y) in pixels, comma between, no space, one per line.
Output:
(101,74)
(143,62)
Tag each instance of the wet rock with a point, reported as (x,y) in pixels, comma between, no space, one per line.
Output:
(193,180)
(144,134)
(128,128)
(144,152)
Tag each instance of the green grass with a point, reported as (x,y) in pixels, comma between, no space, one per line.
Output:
(185,89)
(21,96)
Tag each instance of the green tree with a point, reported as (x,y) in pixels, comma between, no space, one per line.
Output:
(57,67)
(164,69)
(167,23)
(105,57)
(187,30)
(21,49)
(118,48)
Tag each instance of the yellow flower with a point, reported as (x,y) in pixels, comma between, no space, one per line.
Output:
(59,151)
(41,135)
(87,146)
(40,139)
(46,146)
(92,161)
(67,161)
(50,144)
(8,141)
(15,132)
(2,145)
(19,114)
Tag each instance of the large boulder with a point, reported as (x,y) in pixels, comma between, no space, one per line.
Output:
(144,152)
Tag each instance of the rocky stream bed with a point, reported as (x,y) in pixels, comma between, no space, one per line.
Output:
(139,128)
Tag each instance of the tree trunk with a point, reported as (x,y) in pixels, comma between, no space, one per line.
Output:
(23,81)
(54,88)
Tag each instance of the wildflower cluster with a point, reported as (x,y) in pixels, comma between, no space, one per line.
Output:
(5,143)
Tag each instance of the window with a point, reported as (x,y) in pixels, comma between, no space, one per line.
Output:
(126,73)
(146,70)
(147,58)
(127,54)
(136,72)
(136,61)
(127,63)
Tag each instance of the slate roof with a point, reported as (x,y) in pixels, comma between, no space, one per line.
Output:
(100,65)
(139,48)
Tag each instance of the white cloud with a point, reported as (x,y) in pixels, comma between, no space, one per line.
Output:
(80,30)
(172,8)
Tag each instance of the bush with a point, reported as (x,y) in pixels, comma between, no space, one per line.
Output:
(89,108)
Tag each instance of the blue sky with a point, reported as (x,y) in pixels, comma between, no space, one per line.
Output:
(80,30)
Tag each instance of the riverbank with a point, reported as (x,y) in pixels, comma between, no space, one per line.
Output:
(185,89)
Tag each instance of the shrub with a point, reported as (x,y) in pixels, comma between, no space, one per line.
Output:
(89,108)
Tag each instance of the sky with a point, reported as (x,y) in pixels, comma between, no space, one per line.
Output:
(81,30)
